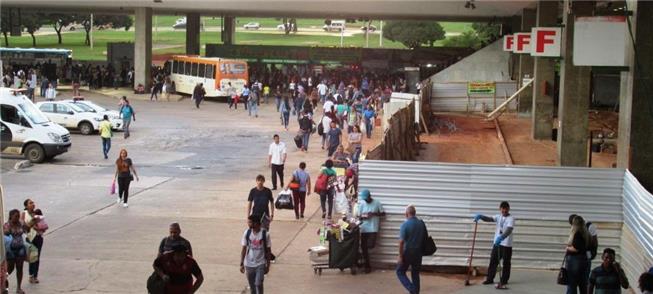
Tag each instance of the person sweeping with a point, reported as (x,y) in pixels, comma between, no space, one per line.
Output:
(502,247)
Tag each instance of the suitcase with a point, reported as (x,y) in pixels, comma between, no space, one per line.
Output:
(298,141)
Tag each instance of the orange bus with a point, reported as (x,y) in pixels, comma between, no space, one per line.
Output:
(215,73)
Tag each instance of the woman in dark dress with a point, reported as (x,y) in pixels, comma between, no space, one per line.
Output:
(577,270)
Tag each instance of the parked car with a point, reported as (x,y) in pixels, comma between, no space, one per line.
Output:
(372,28)
(71,116)
(114,115)
(336,25)
(281,27)
(252,26)
(180,24)
(24,130)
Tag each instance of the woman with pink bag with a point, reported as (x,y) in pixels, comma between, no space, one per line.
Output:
(34,221)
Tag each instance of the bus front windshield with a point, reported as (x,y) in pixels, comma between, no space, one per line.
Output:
(237,68)
(33,113)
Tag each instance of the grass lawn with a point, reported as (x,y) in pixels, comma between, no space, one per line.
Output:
(173,41)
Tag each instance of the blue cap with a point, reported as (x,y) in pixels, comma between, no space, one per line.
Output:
(364,194)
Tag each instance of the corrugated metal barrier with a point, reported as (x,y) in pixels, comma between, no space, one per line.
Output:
(637,240)
(447,97)
(448,195)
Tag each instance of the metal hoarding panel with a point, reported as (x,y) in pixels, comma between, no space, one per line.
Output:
(448,195)
(447,97)
(637,239)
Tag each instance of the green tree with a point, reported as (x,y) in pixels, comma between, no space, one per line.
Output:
(59,21)
(5,26)
(487,32)
(468,39)
(103,21)
(413,34)
(32,22)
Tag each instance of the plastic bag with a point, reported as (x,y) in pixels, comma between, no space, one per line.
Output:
(32,253)
(284,200)
(112,190)
(341,203)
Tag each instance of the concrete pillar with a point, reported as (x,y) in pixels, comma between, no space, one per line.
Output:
(636,115)
(515,26)
(193,34)
(525,105)
(544,69)
(143,47)
(229,30)
(574,102)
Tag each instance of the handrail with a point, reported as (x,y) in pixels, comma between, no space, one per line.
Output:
(505,103)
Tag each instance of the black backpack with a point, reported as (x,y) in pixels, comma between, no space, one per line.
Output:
(593,246)
(320,128)
(268,252)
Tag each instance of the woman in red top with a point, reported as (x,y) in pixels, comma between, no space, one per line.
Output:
(177,270)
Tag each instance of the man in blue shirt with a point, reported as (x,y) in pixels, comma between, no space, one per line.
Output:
(369,116)
(411,238)
(369,211)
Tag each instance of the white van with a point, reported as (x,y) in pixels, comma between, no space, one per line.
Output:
(336,25)
(25,130)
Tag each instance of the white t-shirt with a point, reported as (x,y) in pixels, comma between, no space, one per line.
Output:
(327,106)
(255,253)
(322,89)
(503,223)
(277,151)
(593,232)
(326,124)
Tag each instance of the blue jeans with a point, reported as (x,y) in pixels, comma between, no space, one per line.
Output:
(278,101)
(125,126)
(305,136)
(577,274)
(285,118)
(412,259)
(368,127)
(357,154)
(255,276)
(106,145)
(252,108)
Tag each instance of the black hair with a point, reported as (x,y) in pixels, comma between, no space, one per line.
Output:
(275,136)
(646,282)
(106,117)
(504,204)
(38,212)
(571,218)
(609,251)
(302,165)
(12,212)
(25,202)
(256,219)
(260,178)
(328,163)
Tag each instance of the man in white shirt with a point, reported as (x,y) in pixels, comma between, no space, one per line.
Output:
(327,106)
(322,91)
(502,248)
(276,160)
(256,254)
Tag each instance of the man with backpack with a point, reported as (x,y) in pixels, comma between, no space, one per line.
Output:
(255,254)
(411,242)
(594,240)
(127,113)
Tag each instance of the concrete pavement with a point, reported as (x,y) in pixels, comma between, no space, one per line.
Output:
(196,168)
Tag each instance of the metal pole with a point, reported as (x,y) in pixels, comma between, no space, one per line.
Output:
(367,34)
(342,35)
(90,34)
(156,26)
(381,34)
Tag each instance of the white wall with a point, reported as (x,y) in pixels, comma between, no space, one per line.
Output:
(488,64)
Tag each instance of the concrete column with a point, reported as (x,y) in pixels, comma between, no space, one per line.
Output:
(515,26)
(635,116)
(525,105)
(229,30)
(544,69)
(193,34)
(143,47)
(574,102)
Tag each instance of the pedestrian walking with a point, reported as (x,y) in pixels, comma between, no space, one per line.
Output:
(411,237)
(174,239)
(14,235)
(256,254)
(260,202)
(609,277)
(328,175)
(106,133)
(305,129)
(369,212)
(576,257)
(44,85)
(127,114)
(177,270)
(285,112)
(266,93)
(277,97)
(198,94)
(355,138)
(245,96)
(303,188)
(124,170)
(334,137)
(326,126)
(502,247)
(50,93)
(593,245)
(276,159)
(369,116)
(253,101)
(31,85)
(33,220)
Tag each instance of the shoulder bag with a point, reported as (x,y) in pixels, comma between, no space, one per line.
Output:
(428,245)
(562,274)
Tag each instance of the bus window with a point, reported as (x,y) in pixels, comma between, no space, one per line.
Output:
(187,68)
(200,70)
(175,67)
(238,68)
(209,71)
(223,68)
(194,70)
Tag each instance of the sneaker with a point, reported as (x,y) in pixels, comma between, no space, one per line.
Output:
(486,282)
(125,205)
(118,200)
